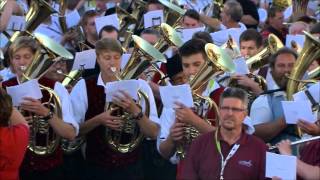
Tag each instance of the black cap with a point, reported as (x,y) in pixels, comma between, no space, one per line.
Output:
(174,65)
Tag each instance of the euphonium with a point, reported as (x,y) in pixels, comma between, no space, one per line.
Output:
(257,61)
(309,53)
(217,62)
(38,12)
(232,45)
(172,13)
(130,137)
(62,16)
(49,53)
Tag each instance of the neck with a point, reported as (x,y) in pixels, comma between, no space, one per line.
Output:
(92,40)
(232,24)
(230,136)
(107,78)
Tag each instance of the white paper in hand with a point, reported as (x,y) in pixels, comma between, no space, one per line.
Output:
(73,18)
(28,89)
(153,18)
(107,20)
(188,33)
(16,23)
(282,166)
(129,86)
(241,66)
(87,59)
(298,38)
(314,91)
(171,94)
(295,110)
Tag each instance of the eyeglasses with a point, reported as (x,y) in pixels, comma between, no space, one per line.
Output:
(233,109)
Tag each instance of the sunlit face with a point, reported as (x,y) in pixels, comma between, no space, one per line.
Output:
(248,48)
(101,5)
(108,60)
(111,35)
(57,70)
(225,17)
(189,22)
(90,27)
(21,58)
(192,64)
(277,21)
(154,7)
(283,65)
(232,112)
(150,38)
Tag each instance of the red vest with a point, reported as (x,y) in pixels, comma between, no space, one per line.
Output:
(97,151)
(33,162)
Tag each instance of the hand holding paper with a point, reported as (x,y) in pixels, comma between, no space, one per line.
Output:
(295,110)
(85,58)
(131,87)
(28,89)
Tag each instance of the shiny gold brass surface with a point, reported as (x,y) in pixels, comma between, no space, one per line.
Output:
(172,13)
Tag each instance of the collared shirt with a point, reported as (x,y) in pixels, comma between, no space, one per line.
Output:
(79,99)
(203,160)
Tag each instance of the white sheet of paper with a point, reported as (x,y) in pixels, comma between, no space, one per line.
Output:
(241,66)
(298,38)
(124,60)
(288,12)
(107,20)
(73,18)
(129,86)
(295,110)
(153,18)
(16,23)
(28,89)
(263,14)
(282,166)
(188,33)
(87,59)
(314,91)
(171,94)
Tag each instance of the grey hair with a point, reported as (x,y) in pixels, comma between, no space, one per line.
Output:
(237,93)
(234,10)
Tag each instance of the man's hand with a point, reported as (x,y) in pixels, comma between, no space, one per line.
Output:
(34,106)
(309,128)
(185,114)
(112,122)
(124,100)
(284,147)
(177,132)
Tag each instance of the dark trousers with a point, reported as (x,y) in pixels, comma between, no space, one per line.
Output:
(130,172)
(52,174)
(74,166)
(154,166)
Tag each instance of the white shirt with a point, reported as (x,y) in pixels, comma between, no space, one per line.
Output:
(222,36)
(79,99)
(6,74)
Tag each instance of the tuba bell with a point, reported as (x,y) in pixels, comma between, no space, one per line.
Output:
(217,62)
(143,55)
(49,53)
(257,61)
(172,13)
(309,53)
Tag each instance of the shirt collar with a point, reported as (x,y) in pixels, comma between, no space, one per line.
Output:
(100,81)
(242,140)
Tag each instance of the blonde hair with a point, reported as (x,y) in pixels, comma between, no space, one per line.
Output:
(108,44)
(22,42)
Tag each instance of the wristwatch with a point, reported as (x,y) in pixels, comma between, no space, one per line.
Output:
(48,117)
(138,116)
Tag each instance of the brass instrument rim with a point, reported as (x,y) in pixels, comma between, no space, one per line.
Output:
(226,64)
(173,7)
(171,34)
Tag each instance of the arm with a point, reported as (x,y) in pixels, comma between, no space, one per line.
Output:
(269,130)
(80,4)
(6,14)
(212,22)
(249,20)
(17,118)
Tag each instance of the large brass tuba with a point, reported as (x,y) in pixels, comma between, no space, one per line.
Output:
(172,13)
(130,137)
(217,62)
(38,12)
(309,53)
(43,140)
(257,61)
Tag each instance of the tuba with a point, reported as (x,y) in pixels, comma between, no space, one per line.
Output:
(49,53)
(172,13)
(130,137)
(257,61)
(309,53)
(62,16)
(217,62)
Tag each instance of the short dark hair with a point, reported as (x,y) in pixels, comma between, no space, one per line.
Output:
(193,14)
(315,28)
(251,35)
(153,2)
(109,29)
(150,31)
(193,46)
(273,10)
(233,92)
(6,107)
(87,15)
(284,50)
(108,44)
(234,10)
(203,36)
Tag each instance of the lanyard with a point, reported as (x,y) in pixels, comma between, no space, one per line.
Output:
(231,153)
